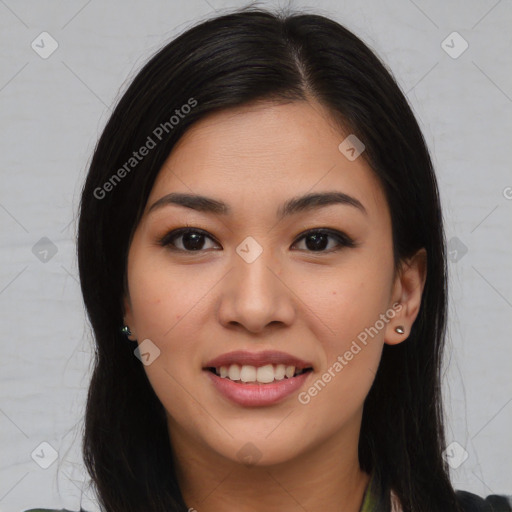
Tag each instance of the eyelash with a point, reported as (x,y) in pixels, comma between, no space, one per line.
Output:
(342,238)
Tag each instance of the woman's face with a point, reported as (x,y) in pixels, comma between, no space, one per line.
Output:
(252,277)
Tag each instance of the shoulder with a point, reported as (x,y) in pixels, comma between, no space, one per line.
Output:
(470,502)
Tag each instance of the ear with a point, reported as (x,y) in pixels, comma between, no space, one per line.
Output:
(128,317)
(407,291)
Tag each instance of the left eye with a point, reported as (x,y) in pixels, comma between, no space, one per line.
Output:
(317,240)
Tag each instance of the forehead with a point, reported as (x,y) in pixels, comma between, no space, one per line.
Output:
(265,153)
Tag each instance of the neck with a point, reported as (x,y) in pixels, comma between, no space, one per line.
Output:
(326,476)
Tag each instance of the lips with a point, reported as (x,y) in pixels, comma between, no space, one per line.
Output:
(257,379)
(257,359)
(255,394)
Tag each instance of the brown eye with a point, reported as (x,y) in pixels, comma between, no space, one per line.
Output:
(318,240)
(185,239)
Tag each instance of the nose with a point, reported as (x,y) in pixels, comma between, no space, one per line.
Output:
(255,295)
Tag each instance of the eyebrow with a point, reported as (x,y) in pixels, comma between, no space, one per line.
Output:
(292,206)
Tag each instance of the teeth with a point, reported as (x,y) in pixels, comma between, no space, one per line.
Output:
(280,372)
(234,372)
(265,374)
(262,374)
(248,373)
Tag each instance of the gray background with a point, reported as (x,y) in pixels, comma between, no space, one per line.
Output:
(52,111)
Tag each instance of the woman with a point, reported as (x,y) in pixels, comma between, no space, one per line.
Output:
(262,259)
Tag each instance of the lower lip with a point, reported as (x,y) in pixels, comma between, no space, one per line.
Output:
(254,395)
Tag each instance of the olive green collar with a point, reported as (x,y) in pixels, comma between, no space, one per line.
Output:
(376,497)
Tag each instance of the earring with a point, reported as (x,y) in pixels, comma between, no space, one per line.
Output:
(399,329)
(126,330)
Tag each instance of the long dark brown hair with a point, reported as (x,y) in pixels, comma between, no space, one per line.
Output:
(227,61)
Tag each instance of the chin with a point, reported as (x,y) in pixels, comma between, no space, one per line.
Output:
(260,451)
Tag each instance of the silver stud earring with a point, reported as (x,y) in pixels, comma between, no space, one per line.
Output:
(126,330)
(400,329)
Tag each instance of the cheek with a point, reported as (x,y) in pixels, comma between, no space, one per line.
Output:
(348,301)
(162,294)
(165,304)
(170,305)
(352,304)
(352,338)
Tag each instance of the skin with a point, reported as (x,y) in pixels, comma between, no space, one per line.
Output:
(310,303)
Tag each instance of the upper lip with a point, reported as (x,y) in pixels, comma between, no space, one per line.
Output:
(243,357)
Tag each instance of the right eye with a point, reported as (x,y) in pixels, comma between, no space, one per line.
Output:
(192,239)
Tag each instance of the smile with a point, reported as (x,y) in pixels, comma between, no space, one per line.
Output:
(256,394)
(257,379)
(262,375)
